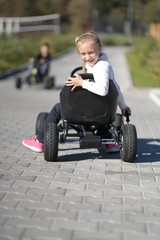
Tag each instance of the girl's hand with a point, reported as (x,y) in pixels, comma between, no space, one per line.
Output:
(74,81)
(126,111)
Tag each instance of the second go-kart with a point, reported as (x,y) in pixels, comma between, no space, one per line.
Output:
(38,75)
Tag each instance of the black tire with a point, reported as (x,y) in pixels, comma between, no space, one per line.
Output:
(52,80)
(129,143)
(51,138)
(49,82)
(40,122)
(18,83)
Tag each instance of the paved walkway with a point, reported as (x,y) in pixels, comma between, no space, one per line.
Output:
(85,195)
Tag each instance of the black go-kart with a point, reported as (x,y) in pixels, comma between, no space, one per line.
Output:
(44,80)
(91,118)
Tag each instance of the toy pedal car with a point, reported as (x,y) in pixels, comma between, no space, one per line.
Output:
(93,119)
(33,77)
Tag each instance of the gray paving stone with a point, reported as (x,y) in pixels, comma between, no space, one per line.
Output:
(48,234)
(97,235)
(141,236)
(52,214)
(123,227)
(11,233)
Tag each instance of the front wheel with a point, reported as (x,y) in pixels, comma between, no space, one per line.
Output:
(129,143)
(51,139)
(49,82)
(18,83)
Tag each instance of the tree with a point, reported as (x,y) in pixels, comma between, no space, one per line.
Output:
(12,8)
(79,14)
(152,11)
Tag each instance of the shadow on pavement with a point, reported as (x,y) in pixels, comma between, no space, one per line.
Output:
(90,154)
(148,150)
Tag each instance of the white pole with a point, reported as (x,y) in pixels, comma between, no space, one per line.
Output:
(8,27)
(16,26)
(1,26)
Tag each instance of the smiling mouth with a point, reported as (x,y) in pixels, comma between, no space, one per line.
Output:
(89,62)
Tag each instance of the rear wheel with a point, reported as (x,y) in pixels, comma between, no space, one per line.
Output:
(51,138)
(40,122)
(129,143)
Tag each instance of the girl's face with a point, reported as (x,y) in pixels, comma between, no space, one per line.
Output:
(44,50)
(89,52)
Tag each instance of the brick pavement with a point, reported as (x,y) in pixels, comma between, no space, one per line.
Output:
(85,195)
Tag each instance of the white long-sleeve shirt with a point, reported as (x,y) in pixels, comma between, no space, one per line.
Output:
(103,72)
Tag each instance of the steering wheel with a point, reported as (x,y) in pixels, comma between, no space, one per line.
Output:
(83,75)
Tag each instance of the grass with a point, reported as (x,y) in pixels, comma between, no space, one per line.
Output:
(144,62)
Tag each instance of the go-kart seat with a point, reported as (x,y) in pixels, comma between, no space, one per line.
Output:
(84,107)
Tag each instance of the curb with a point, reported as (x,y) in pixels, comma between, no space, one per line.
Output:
(13,72)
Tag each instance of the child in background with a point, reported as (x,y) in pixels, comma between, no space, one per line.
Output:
(39,65)
(89,48)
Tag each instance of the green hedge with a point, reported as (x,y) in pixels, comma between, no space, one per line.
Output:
(16,51)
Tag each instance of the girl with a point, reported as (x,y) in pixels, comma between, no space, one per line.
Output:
(89,48)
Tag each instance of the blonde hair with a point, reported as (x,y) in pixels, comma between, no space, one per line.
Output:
(87,37)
